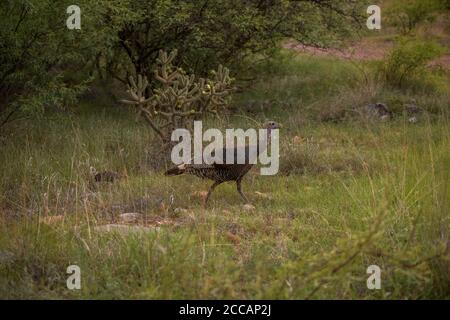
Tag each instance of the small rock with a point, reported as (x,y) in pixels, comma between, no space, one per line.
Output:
(249,208)
(125,229)
(200,194)
(412,120)
(180,210)
(263,195)
(131,217)
(297,140)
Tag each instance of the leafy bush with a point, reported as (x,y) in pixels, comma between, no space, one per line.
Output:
(408,60)
(407,14)
(222,31)
(42,63)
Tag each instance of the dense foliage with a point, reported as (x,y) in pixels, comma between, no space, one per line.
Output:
(222,31)
(408,59)
(45,65)
(407,14)
(40,59)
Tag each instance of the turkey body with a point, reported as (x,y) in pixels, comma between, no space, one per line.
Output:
(243,159)
(221,172)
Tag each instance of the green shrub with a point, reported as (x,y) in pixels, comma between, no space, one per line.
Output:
(408,60)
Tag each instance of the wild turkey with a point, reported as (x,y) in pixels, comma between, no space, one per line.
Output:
(220,173)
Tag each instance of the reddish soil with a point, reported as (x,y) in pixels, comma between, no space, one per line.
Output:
(360,51)
(365,50)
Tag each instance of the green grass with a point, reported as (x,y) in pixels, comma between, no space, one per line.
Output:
(349,194)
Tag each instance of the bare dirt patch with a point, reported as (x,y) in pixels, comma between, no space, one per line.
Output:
(366,50)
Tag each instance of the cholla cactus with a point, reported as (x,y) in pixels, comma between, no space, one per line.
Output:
(137,91)
(180,98)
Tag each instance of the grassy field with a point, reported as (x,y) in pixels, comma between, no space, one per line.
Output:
(350,193)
